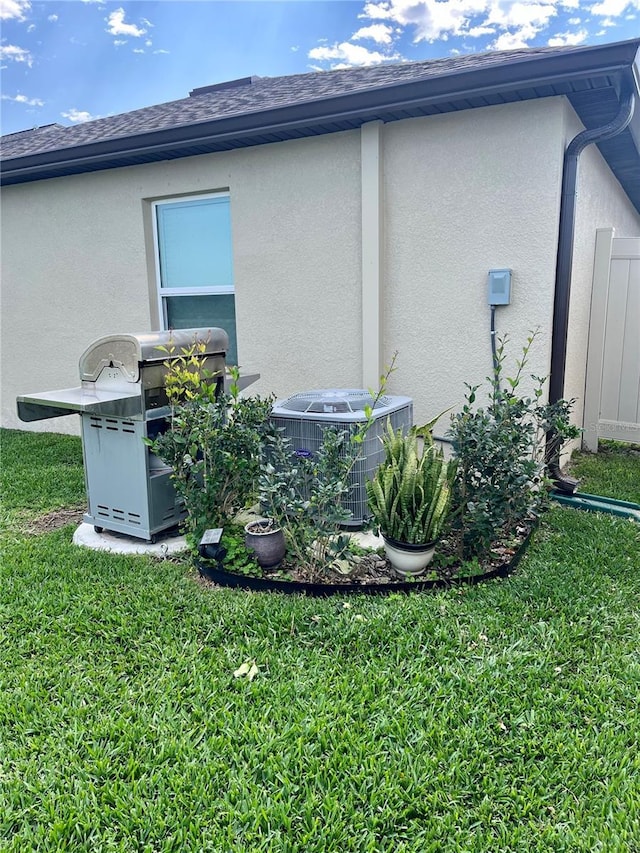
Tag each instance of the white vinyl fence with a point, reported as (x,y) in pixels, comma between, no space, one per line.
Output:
(612,396)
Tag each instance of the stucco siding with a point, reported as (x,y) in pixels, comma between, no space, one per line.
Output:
(78,264)
(72,269)
(467,192)
(461,193)
(296,232)
(601,203)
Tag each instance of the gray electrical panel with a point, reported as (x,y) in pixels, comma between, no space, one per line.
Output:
(499,287)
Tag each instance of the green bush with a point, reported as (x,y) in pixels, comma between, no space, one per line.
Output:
(502,451)
(213,444)
(305,495)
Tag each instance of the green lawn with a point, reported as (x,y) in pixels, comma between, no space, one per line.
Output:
(503,717)
(614,471)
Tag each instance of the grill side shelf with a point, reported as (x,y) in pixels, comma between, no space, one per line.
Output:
(71,401)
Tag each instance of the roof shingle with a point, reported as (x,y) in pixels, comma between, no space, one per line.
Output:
(263,93)
(255,111)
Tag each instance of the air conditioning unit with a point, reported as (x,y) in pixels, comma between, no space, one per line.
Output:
(303,417)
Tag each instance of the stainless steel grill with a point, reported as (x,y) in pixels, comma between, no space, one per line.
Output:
(121,401)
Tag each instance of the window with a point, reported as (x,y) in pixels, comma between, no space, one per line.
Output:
(195,265)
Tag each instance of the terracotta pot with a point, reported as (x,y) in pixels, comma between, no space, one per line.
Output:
(266,542)
(408,560)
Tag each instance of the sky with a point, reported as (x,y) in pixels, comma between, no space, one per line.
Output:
(69,61)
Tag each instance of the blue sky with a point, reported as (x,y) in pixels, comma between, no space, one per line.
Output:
(75,60)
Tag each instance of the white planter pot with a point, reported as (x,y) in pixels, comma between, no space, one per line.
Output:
(408,560)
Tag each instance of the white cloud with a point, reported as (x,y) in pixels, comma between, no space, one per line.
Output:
(522,15)
(521,22)
(161,51)
(14,10)
(380,33)
(431,19)
(514,40)
(349,55)
(118,27)
(510,23)
(475,32)
(52,18)
(513,23)
(138,50)
(614,8)
(377,10)
(563,39)
(120,41)
(78,116)
(15,54)
(22,99)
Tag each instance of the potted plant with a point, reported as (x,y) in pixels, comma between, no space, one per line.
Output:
(265,538)
(409,497)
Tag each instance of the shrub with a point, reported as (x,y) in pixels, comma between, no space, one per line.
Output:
(306,494)
(501,454)
(213,443)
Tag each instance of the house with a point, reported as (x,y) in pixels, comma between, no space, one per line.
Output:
(327,220)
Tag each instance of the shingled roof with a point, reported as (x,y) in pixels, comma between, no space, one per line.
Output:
(256,110)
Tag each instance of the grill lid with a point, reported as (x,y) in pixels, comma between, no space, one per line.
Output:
(129,352)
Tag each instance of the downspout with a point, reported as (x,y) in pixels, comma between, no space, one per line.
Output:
(564,263)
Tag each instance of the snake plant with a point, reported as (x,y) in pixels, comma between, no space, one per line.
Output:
(410,493)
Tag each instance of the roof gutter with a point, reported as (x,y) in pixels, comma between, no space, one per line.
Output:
(564,265)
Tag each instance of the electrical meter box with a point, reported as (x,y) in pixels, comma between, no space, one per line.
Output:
(499,287)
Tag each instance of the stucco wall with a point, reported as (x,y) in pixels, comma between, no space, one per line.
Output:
(463,192)
(75,265)
(467,192)
(72,269)
(601,203)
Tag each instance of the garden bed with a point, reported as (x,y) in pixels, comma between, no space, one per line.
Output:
(373,575)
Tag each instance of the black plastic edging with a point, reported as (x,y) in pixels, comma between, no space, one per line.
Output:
(318,590)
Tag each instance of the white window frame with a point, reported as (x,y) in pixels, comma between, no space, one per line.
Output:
(166,292)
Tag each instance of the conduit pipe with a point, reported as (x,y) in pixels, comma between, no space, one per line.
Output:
(564,263)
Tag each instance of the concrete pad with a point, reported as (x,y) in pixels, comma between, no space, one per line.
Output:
(118,543)
(368,539)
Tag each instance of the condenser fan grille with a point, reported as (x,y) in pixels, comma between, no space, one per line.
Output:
(334,401)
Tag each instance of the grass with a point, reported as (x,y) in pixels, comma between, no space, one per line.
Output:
(39,472)
(499,718)
(613,472)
